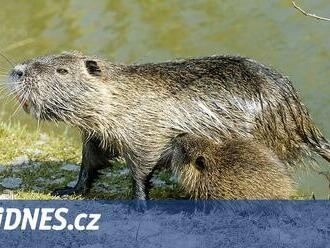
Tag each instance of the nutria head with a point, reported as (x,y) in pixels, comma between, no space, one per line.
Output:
(192,166)
(57,87)
(235,169)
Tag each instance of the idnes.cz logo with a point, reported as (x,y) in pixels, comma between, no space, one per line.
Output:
(46,219)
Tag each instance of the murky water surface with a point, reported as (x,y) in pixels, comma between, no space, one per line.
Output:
(142,31)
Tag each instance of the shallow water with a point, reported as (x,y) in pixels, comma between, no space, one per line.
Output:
(272,32)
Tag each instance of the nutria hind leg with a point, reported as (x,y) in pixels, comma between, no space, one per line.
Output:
(94,158)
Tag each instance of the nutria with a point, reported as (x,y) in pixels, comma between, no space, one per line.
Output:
(235,169)
(136,110)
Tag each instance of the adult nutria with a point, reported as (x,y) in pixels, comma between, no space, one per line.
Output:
(136,110)
(235,169)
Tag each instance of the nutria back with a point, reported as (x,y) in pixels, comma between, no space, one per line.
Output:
(235,169)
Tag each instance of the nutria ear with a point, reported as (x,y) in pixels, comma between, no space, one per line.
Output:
(200,163)
(93,68)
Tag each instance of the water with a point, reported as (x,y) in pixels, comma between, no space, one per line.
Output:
(272,32)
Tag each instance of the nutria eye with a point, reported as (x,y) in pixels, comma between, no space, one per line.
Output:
(200,163)
(62,71)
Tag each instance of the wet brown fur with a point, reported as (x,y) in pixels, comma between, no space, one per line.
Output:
(234,169)
(135,111)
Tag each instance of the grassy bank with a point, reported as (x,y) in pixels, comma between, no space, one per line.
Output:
(32,164)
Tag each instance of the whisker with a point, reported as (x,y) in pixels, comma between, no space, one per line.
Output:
(16,110)
(38,125)
(4,68)
(7,59)
(13,94)
(24,98)
(6,94)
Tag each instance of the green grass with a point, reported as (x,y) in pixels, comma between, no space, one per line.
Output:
(45,154)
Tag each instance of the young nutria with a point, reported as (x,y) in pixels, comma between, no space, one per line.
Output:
(136,110)
(235,169)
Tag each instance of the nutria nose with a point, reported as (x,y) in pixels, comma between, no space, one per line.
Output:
(16,73)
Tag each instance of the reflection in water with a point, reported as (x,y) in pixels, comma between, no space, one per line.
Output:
(148,30)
